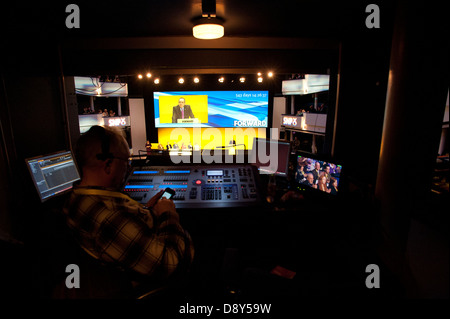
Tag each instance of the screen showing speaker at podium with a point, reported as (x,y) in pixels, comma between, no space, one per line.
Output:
(211,109)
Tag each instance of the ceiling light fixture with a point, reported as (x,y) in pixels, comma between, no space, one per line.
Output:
(209,26)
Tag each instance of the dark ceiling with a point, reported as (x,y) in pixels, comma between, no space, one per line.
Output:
(281,18)
(145,34)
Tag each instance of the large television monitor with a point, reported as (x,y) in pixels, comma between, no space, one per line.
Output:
(311,83)
(53,174)
(318,174)
(94,87)
(270,156)
(211,109)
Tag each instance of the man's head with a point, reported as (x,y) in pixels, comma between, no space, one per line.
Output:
(102,154)
(181,102)
(333,181)
(310,178)
(302,161)
(317,165)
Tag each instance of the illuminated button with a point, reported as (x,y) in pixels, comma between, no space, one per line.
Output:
(198,182)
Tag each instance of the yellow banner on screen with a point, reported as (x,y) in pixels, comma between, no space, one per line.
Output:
(198,104)
(210,137)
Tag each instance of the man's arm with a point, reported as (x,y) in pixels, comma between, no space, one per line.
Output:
(154,245)
(165,248)
(174,115)
(191,115)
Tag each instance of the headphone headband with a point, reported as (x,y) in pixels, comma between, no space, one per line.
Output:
(105,143)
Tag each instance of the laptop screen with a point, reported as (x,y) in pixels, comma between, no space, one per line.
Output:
(53,174)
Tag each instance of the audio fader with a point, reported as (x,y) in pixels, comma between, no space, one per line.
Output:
(205,186)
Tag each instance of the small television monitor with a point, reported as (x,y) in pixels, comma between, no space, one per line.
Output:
(270,156)
(317,174)
(53,174)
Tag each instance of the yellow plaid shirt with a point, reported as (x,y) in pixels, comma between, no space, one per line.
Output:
(117,230)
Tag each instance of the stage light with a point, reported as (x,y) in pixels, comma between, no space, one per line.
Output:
(149,75)
(260,79)
(259,73)
(270,74)
(156,81)
(181,80)
(221,79)
(140,76)
(196,80)
(242,79)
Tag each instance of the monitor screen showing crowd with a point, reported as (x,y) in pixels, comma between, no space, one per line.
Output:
(317,174)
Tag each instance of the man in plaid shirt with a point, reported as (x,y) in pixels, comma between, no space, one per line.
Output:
(112,227)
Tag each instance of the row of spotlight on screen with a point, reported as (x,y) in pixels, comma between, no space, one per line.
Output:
(196,79)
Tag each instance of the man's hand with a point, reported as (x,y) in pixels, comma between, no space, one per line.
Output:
(161,205)
(152,202)
(164,205)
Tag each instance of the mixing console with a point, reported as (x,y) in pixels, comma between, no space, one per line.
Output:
(232,185)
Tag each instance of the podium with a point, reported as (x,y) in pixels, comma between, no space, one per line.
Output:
(194,120)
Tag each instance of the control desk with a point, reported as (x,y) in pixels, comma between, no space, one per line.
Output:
(211,186)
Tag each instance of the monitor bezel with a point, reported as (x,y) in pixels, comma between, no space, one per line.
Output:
(253,155)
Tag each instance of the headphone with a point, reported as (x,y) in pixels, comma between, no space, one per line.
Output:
(105,142)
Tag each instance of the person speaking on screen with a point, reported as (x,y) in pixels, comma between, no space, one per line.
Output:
(182,111)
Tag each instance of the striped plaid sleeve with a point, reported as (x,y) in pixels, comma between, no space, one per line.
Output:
(124,238)
(115,233)
(170,245)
